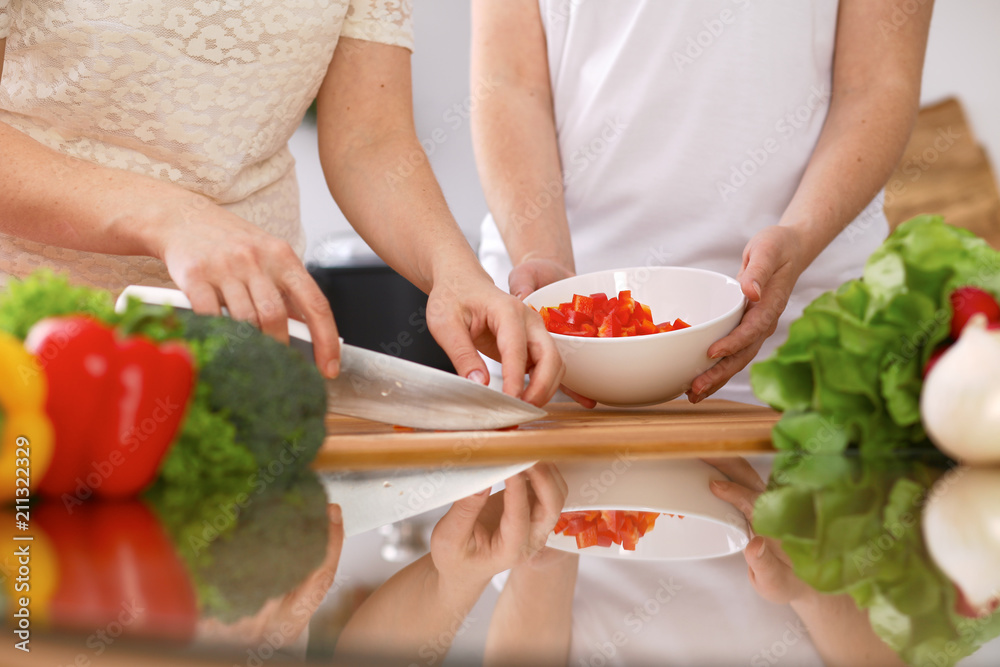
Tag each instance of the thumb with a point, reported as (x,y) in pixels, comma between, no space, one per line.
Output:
(770,576)
(761,265)
(462,517)
(522,281)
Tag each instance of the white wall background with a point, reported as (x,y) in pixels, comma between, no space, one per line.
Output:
(963,59)
(440,81)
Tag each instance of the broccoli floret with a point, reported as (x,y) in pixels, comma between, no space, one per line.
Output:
(273,396)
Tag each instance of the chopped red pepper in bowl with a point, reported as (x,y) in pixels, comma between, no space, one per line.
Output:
(598,316)
(603,528)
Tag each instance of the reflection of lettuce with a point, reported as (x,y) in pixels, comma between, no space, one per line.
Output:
(853,526)
(849,376)
(851,367)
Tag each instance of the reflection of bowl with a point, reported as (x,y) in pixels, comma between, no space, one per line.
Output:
(710,527)
(643,370)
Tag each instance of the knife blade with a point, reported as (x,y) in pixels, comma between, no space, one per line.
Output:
(380,387)
(374,498)
(383,388)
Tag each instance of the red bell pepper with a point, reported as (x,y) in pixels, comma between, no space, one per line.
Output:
(116,564)
(115,405)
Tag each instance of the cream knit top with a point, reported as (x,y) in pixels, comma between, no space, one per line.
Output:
(204,94)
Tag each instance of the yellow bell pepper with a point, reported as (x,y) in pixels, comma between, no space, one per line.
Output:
(23,391)
(39,580)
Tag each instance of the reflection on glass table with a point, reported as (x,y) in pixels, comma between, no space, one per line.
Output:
(839,569)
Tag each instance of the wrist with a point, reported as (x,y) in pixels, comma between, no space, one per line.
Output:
(459,591)
(455,269)
(158,217)
(559,260)
(810,602)
(456,588)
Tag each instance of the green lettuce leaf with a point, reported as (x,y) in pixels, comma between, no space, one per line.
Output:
(856,356)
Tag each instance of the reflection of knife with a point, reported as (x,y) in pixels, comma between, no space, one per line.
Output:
(383,388)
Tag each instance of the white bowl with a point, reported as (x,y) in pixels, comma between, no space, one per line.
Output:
(710,528)
(645,370)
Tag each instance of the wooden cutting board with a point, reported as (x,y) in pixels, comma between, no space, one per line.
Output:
(569,432)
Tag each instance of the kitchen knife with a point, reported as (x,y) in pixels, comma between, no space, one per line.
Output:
(380,387)
(373,498)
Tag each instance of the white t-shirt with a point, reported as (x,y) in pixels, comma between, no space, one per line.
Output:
(684,128)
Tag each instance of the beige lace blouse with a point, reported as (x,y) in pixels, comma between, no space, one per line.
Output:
(202,93)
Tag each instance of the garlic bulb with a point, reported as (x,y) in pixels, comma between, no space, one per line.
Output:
(960,401)
(961,524)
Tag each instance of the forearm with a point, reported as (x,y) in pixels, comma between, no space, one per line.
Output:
(54,199)
(875,98)
(533,619)
(377,170)
(405,219)
(842,634)
(518,161)
(414,616)
(862,141)
(514,134)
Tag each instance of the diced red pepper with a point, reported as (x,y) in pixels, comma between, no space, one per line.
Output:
(553,316)
(587,537)
(599,316)
(645,328)
(583,305)
(605,528)
(643,313)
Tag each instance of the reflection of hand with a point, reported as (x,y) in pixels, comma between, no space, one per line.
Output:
(840,631)
(473,314)
(770,270)
(484,535)
(282,622)
(770,570)
(219,259)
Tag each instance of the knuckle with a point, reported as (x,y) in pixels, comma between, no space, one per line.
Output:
(242,254)
(280,249)
(317,303)
(272,317)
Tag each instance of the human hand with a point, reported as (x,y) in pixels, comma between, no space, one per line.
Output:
(769,568)
(484,535)
(533,274)
(470,313)
(218,259)
(771,266)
